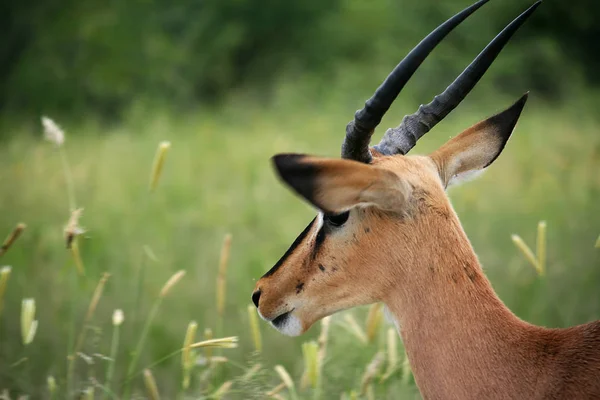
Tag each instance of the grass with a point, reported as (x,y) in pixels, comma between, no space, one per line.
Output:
(216,180)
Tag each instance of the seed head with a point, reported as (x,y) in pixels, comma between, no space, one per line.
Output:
(285,377)
(14,235)
(187,356)
(150,383)
(28,324)
(53,132)
(159,161)
(171,282)
(72,230)
(118,317)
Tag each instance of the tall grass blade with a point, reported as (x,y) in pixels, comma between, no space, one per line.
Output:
(91,310)
(255,328)
(222,279)
(541,248)
(117,320)
(142,340)
(4,276)
(526,251)
(310,352)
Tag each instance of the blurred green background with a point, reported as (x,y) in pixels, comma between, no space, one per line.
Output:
(229,84)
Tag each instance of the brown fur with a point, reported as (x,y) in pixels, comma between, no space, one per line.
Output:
(461,340)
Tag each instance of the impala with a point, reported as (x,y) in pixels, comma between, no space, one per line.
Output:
(386,232)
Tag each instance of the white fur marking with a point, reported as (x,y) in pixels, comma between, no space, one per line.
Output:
(291,327)
(465,177)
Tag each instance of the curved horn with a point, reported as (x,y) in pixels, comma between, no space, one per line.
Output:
(360,130)
(403,138)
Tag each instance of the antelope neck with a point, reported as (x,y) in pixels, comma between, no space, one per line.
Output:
(456,331)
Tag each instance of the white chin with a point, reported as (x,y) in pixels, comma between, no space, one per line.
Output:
(290,327)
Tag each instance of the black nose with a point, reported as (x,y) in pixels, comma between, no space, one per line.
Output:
(256,297)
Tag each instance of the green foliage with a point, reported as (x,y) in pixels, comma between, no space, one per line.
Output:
(217,179)
(71,57)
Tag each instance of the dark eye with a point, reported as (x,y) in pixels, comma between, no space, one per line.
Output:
(337,219)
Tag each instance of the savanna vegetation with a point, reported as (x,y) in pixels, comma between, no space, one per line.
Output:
(227,85)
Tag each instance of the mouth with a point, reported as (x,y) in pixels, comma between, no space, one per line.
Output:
(281,319)
(288,324)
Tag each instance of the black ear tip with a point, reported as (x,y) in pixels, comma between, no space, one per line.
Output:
(524,98)
(518,106)
(506,120)
(286,161)
(298,173)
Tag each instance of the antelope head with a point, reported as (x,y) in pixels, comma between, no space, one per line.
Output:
(376,225)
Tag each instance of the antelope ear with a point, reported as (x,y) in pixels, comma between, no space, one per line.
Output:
(334,185)
(477,147)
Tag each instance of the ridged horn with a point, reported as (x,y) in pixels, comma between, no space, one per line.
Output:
(403,138)
(360,130)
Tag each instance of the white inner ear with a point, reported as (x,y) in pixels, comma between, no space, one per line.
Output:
(465,177)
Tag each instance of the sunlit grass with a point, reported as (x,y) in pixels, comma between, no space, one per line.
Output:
(217,180)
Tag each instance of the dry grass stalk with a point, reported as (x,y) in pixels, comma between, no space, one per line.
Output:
(222,343)
(371,371)
(276,390)
(353,327)
(222,390)
(53,133)
(4,276)
(222,274)
(72,229)
(541,248)
(188,356)
(374,318)
(142,340)
(251,372)
(287,380)
(323,337)
(255,328)
(285,376)
(392,354)
(521,245)
(171,282)
(150,384)
(157,165)
(28,323)
(10,240)
(92,309)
